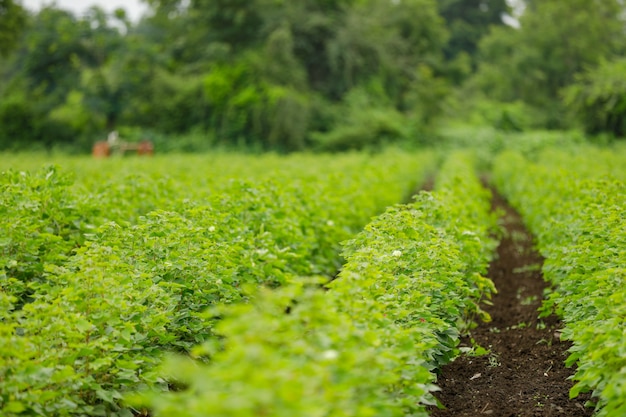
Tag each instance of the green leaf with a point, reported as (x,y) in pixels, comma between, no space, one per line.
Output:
(14,407)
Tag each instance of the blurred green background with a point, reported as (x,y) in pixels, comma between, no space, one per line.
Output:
(293,75)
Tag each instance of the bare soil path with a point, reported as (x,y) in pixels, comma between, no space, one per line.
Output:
(523,374)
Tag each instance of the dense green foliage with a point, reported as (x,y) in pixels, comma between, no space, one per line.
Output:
(468,22)
(293,75)
(97,285)
(366,346)
(209,285)
(599,98)
(487,143)
(532,65)
(127,288)
(308,74)
(12,20)
(578,220)
(256,74)
(587,161)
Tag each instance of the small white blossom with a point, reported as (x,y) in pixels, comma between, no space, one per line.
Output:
(396,253)
(212,229)
(330,355)
(330,223)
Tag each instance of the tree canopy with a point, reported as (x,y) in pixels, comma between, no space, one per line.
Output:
(556,41)
(12,21)
(294,74)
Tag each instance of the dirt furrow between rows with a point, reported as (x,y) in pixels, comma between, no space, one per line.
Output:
(522,374)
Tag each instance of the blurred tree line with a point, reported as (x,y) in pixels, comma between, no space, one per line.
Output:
(299,74)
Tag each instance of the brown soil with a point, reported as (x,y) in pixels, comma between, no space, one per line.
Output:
(523,374)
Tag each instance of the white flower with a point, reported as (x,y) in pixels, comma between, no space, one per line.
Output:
(330,223)
(330,355)
(396,253)
(212,229)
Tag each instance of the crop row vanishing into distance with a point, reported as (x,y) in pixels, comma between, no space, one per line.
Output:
(100,278)
(575,205)
(94,293)
(366,346)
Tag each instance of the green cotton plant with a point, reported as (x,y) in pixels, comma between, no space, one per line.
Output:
(41,224)
(282,364)
(87,335)
(446,234)
(458,180)
(135,285)
(578,223)
(588,161)
(254,234)
(365,346)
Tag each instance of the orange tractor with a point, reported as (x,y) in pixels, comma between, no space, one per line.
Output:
(114,146)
